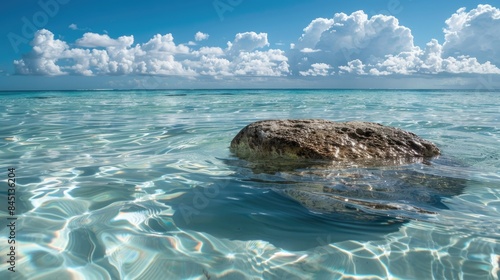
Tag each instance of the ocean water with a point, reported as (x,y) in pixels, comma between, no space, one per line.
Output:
(142,185)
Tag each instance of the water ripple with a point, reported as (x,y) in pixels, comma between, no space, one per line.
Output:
(141,185)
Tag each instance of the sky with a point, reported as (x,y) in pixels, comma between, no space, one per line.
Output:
(152,44)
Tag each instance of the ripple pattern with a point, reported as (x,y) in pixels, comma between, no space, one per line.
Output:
(141,185)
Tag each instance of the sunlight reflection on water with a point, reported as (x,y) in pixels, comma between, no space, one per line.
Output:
(140,185)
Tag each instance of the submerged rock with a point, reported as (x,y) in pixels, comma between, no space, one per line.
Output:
(360,142)
(395,191)
(353,151)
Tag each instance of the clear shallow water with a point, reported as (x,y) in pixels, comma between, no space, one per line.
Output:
(141,185)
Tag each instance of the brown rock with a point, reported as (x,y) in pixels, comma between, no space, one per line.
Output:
(326,140)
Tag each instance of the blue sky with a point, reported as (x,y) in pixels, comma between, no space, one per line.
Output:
(70,44)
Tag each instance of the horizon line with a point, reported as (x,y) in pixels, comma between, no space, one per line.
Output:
(208,89)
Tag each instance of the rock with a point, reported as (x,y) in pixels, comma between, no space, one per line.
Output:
(300,159)
(312,139)
(396,191)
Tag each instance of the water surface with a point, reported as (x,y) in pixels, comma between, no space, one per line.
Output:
(141,185)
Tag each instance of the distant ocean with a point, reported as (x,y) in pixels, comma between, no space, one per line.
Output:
(142,185)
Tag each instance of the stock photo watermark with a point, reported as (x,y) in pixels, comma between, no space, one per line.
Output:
(201,200)
(11,219)
(38,20)
(394,7)
(224,6)
(485,84)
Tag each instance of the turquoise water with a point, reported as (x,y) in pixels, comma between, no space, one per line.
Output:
(141,185)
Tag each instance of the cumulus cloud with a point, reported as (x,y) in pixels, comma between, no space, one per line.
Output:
(74,26)
(474,33)
(354,44)
(211,65)
(309,50)
(248,41)
(261,63)
(353,67)
(312,33)
(42,59)
(357,44)
(317,69)
(428,61)
(240,58)
(55,57)
(97,54)
(345,38)
(94,40)
(200,36)
(215,51)
(161,44)
(356,36)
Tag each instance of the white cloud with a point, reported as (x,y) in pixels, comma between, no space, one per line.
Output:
(214,62)
(356,44)
(465,64)
(312,33)
(356,36)
(159,56)
(474,33)
(248,41)
(211,65)
(55,57)
(317,69)
(261,63)
(94,40)
(200,36)
(42,59)
(431,61)
(432,57)
(345,44)
(164,44)
(345,38)
(74,26)
(216,51)
(404,63)
(356,66)
(309,50)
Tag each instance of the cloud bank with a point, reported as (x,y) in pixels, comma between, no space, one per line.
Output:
(354,44)
(96,54)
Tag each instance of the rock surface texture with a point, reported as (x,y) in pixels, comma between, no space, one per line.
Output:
(332,167)
(326,140)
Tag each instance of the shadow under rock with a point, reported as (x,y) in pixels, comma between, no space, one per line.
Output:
(302,208)
(242,213)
